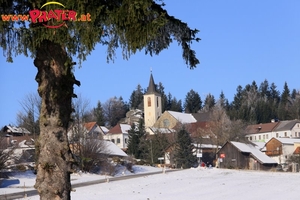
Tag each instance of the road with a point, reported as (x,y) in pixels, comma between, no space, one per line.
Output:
(30,193)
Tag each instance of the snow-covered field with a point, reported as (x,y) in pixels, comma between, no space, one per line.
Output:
(196,183)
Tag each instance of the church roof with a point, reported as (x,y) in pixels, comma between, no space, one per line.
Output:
(184,118)
(151,88)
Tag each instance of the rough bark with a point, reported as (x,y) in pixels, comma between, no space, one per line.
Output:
(55,86)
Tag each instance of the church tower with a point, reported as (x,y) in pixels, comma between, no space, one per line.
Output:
(152,104)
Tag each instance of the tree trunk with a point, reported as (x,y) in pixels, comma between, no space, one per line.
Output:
(55,86)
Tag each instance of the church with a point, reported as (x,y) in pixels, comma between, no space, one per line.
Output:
(169,122)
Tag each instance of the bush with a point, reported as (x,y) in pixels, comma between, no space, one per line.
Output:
(21,168)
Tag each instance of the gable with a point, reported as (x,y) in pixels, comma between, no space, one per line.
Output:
(119,128)
(286,125)
(249,148)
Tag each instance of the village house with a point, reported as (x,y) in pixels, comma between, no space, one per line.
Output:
(90,129)
(260,132)
(281,129)
(281,148)
(238,155)
(119,135)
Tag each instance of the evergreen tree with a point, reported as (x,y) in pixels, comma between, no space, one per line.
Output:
(176,105)
(173,104)
(99,114)
(223,101)
(193,102)
(130,25)
(136,98)
(114,110)
(237,100)
(285,104)
(209,102)
(264,90)
(275,94)
(164,98)
(133,141)
(159,144)
(184,155)
(294,94)
(136,140)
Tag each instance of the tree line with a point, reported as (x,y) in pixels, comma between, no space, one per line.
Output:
(251,104)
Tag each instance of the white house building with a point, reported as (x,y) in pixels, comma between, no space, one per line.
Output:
(118,135)
(264,132)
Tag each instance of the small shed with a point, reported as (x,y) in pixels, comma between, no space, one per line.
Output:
(239,155)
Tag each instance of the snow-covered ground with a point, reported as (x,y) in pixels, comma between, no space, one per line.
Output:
(196,183)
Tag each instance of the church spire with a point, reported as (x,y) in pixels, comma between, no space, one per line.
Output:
(151,88)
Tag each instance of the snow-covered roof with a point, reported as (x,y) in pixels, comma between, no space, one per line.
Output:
(288,140)
(113,149)
(184,118)
(15,129)
(162,130)
(104,129)
(207,146)
(248,148)
(259,145)
(125,128)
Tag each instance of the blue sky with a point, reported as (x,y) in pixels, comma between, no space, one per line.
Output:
(241,41)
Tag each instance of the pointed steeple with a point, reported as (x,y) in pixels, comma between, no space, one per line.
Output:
(151,88)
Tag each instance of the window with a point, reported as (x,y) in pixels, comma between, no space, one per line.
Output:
(118,140)
(259,137)
(166,123)
(250,138)
(113,140)
(296,134)
(254,137)
(267,136)
(285,134)
(264,137)
(149,101)
(276,134)
(125,140)
(157,101)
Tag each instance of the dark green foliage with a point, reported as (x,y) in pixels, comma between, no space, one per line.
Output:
(136,98)
(114,110)
(223,101)
(285,103)
(99,114)
(135,139)
(209,102)
(146,26)
(154,147)
(261,105)
(173,104)
(184,150)
(193,102)
(164,102)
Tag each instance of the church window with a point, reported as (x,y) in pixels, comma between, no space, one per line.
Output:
(166,123)
(149,101)
(157,101)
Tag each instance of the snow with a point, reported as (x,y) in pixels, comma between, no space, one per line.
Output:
(125,128)
(263,158)
(184,118)
(113,149)
(195,183)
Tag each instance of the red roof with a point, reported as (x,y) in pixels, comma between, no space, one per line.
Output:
(261,128)
(193,127)
(89,125)
(119,128)
(297,150)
